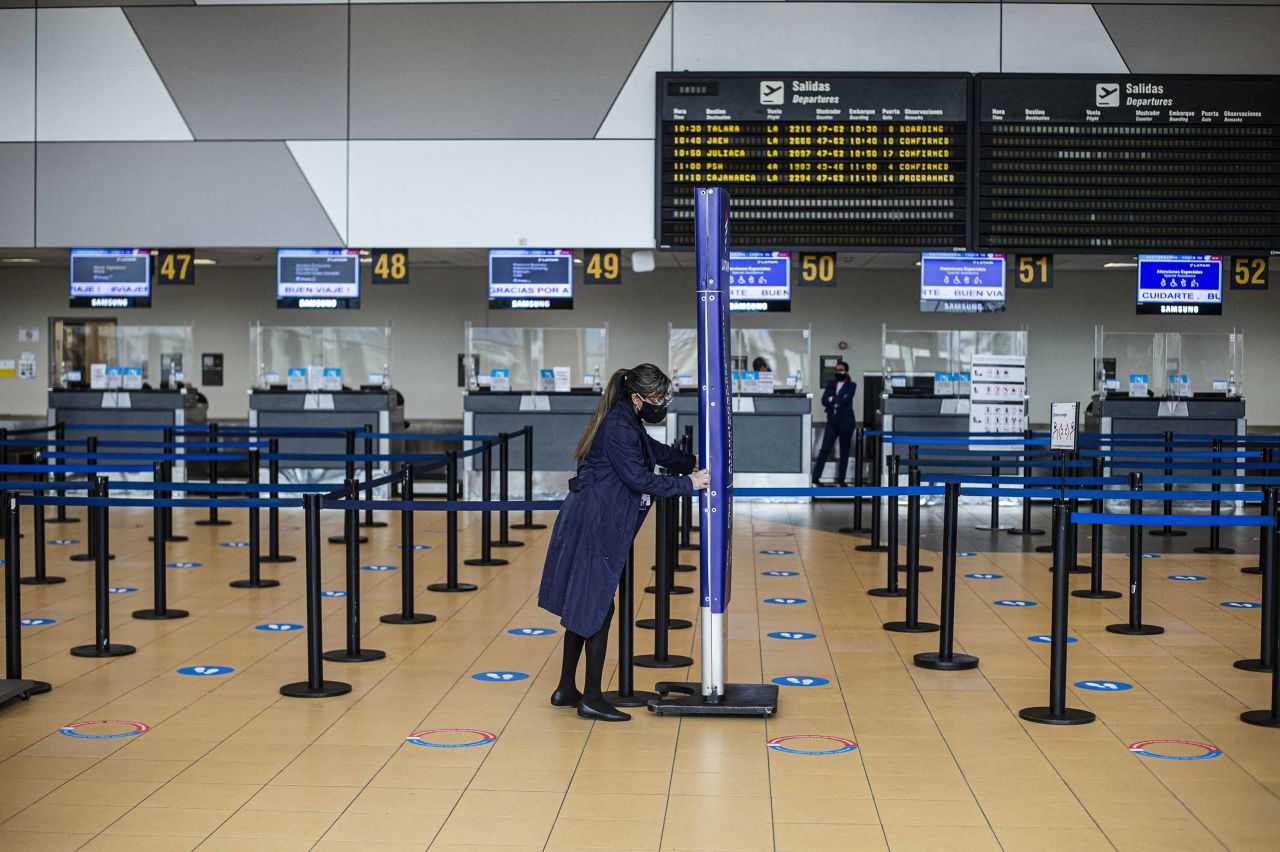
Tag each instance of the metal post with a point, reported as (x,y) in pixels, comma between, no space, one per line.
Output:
(626,695)
(665,552)
(994,524)
(528,523)
(170,438)
(352,653)
(273,512)
(912,624)
(369,453)
(875,546)
(212,520)
(1098,507)
(1027,472)
(1135,627)
(913,530)
(504,540)
(102,646)
(159,541)
(1265,660)
(1215,508)
(406,615)
(1270,717)
(1267,457)
(1058,713)
(91,460)
(486,558)
(946,659)
(859,481)
(255,579)
(315,686)
(1167,530)
(13,602)
(40,578)
(60,436)
(349,474)
(4,477)
(891,588)
(451,496)
(1073,560)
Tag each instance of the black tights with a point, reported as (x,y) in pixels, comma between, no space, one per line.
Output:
(596,644)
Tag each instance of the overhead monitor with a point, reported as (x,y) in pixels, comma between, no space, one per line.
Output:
(760,281)
(318,278)
(531,279)
(961,282)
(110,278)
(1186,284)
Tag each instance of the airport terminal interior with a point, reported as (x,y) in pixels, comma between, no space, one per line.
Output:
(639,425)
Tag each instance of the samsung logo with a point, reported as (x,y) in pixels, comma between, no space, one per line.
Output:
(109,303)
(317,303)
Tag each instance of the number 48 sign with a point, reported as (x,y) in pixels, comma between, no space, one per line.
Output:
(390,266)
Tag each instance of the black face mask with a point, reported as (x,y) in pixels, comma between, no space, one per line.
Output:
(840,377)
(651,413)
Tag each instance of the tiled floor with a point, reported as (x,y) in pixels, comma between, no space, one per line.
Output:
(943,761)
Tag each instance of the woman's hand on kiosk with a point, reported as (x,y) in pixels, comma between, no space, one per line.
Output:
(700,479)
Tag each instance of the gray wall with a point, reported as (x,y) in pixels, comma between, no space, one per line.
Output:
(428,318)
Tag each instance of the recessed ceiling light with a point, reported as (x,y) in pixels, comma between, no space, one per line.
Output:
(1119,264)
(205,261)
(365,252)
(577,261)
(19,260)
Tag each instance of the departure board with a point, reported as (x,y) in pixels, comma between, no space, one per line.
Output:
(1094,163)
(870,162)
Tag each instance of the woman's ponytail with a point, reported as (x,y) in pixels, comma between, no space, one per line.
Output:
(614,390)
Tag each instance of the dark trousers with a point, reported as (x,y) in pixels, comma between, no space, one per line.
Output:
(837,427)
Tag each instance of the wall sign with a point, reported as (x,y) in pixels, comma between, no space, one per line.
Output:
(176,266)
(1249,273)
(817,269)
(1033,272)
(390,266)
(602,266)
(211,369)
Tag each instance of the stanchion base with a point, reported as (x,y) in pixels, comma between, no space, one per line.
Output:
(62,520)
(11,688)
(485,563)
(1252,665)
(739,699)
(1224,551)
(872,548)
(953,663)
(1139,630)
(689,546)
(277,559)
(218,523)
(327,689)
(1167,532)
(1103,594)
(342,655)
(1046,716)
(997,528)
(672,624)
(46,580)
(1044,548)
(171,538)
(908,627)
(88,557)
(506,542)
(921,569)
(854,530)
(637,698)
(108,650)
(250,584)
(673,661)
(886,592)
(457,587)
(342,539)
(1252,569)
(366,525)
(528,526)
(401,618)
(684,569)
(158,615)
(1078,569)
(1265,718)
(675,590)
(1018,531)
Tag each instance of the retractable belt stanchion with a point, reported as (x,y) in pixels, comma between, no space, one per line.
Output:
(913,531)
(1026,528)
(912,624)
(39,550)
(369,522)
(664,559)
(528,523)
(1058,713)
(994,524)
(406,615)
(14,684)
(486,558)
(686,505)
(169,438)
(661,658)
(1073,544)
(1270,718)
(160,610)
(1096,541)
(98,522)
(671,508)
(273,513)
(255,579)
(1167,530)
(1135,627)
(1265,661)
(89,555)
(61,517)
(874,546)
(1052,547)
(626,695)
(504,523)
(1215,509)
(353,653)
(945,658)
(349,475)
(451,583)
(891,588)
(859,480)
(213,520)
(1267,457)
(315,686)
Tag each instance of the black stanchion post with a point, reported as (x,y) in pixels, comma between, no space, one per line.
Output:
(1215,508)
(13,603)
(661,658)
(1095,589)
(353,653)
(1167,530)
(160,610)
(994,524)
(1027,472)
(913,528)
(626,695)
(528,523)
(1135,627)
(874,546)
(4,477)
(40,578)
(1270,718)
(672,508)
(859,481)
(170,438)
(91,459)
(1265,661)
(486,558)
(60,435)
(255,579)
(1267,456)
(349,467)
(666,558)
(369,452)
(213,520)
(102,646)
(451,496)
(315,686)
(1052,547)
(945,658)
(504,523)
(912,624)
(1058,713)
(273,512)
(406,615)
(1073,560)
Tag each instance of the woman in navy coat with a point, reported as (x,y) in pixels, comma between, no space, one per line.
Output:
(607,503)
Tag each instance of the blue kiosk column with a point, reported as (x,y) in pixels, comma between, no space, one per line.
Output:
(715,422)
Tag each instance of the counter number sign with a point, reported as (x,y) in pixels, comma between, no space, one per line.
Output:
(602,266)
(390,266)
(1033,272)
(176,266)
(818,270)
(1249,273)
(1064,419)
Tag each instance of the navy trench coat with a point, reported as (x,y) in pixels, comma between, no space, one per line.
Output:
(600,519)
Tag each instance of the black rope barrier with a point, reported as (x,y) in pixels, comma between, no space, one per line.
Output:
(946,658)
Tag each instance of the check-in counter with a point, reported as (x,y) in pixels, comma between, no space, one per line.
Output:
(377,410)
(558,421)
(772,436)
(1115,415)
(160,408)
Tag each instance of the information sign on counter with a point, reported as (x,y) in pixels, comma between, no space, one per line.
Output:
(1138,385)
(110,278)
(531,279)
(500,380)
(296,379)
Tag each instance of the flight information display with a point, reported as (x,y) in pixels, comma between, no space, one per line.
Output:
(873,162)
(760,281)
(1105,163)
(1180,284)
(961,282)
(317,278)
(531,279)
(110,278)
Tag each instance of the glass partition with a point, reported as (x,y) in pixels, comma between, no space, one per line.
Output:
(786,353)
(526,352)
(682,356)
(908,353)
(166,353)
(1176,363)
(362,353)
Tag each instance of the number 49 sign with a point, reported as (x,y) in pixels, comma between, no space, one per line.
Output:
(1064,420)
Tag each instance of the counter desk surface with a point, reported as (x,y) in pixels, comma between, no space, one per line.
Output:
(377,410)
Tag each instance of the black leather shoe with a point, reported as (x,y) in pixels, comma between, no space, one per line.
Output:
(603,711)
(561,698)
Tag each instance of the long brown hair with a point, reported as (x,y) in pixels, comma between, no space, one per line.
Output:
(644,379)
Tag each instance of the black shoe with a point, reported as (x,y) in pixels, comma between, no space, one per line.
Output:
(562,698)
(602,711)
(841,484)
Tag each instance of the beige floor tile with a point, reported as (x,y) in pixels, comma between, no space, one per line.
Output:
(122,793)
(613,806)
(176,794)
(952,837)
(717,784)
(376,800)
(943,812)
(520,804)
(1036,814)
(1167,840)
(1052,839)
(495,831)
(168,822)
(71,819)
(320,800)
(814,837)
(572,833)
(685,836)
(740,810)
(130,843)
(910,787)
(276,825)
(614,781)
(53,841)
(847,812)
(386,828)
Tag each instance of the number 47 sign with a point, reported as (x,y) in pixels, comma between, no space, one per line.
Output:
(1064,420)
